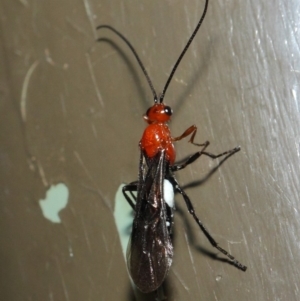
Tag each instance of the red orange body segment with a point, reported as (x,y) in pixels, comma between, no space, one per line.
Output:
(157,135)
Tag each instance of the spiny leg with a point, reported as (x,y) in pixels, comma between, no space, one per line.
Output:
(195,156)
(202,227)
(130,188)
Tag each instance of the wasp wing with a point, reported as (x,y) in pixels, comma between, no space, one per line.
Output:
(150,250)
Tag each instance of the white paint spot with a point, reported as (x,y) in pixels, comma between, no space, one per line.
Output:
(56,200)
(169,193)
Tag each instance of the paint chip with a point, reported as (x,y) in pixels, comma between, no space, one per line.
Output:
(123,215)
(56,200)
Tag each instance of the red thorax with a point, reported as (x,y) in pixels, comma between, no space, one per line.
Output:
(157,135)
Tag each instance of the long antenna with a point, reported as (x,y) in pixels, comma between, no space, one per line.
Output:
(136,56)
(161,98)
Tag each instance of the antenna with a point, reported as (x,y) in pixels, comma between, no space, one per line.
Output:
(161,98)
(136,56)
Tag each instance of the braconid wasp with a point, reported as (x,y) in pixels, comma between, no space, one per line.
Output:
(150,250)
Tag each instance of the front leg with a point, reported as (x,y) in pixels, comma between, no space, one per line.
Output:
(191,130)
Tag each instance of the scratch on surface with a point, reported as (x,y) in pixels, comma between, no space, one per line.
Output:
(215,296)
(86,235)
(105,242)
(78,28)
(192,260)
(210,124)
(108,54)
(50,295)
(84,167)
(71,252)
(235,242)
(42,174)
(25,89)
(105,199)
(63,104)
(62,280)
(90,16)
(111,257)
(94,79)
(191,255)
(180,81)
(244,237)
(180,280)
(98,191)
(248,195)
(94,131)
(50,61)
(31,163)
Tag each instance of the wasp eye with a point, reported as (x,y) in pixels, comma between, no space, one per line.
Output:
(148,111)
(168,110)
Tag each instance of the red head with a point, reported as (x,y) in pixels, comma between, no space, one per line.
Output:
(158,113)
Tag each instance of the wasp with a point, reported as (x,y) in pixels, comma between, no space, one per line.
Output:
(150,249)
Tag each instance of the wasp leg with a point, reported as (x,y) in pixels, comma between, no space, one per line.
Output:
(204,230)
(130,188)
(191,130)
(195,156)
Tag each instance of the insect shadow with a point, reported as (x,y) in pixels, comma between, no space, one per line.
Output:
(193,80)
(130,65)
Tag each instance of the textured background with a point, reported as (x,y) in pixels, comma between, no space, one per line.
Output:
(71,112)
